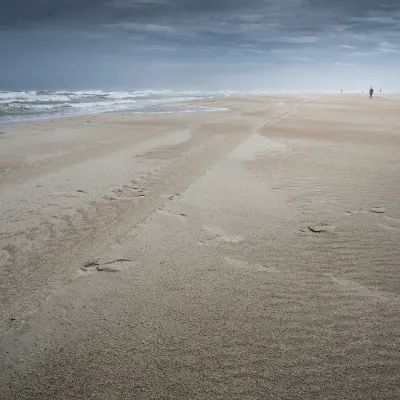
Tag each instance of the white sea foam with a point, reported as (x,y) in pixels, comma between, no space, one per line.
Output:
(26,105)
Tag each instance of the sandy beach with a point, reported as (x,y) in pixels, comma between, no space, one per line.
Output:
(243,254)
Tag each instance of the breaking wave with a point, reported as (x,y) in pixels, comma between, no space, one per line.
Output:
(26,105)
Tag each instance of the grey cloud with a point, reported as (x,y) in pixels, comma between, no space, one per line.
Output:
(238,33)
(341,64)
(348,47)
(300,39)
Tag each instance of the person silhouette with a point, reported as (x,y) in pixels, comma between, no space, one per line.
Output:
(371,92)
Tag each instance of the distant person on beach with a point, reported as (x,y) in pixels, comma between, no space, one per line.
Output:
(371,92)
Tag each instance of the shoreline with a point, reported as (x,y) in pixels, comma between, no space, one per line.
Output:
(153,108)
(142,110)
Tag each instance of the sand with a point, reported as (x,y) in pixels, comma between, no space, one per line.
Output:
(243,254)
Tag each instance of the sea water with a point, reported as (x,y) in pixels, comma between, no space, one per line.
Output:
(22,106)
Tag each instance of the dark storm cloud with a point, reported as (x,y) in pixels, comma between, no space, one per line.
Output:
(18,12)
(188,34)
(250,19)
(33,11)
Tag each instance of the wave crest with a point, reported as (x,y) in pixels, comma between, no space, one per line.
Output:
(23,105)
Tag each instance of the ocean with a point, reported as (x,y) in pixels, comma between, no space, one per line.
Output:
(23,106)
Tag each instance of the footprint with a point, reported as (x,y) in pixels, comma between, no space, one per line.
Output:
(208,241)
(219,235)
(116,265)
(63,194)
(90,267)
(357,212)
(4,257)
(321,228)
(109,198)
(378,210)
(231,239)
(170,214)
(233,262)
(129,192)
(215,230)
(103,268)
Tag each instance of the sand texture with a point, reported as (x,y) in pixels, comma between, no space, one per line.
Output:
(243,254)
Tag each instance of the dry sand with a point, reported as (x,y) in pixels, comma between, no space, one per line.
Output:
(246,254)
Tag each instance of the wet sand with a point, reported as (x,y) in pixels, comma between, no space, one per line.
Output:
(244,254)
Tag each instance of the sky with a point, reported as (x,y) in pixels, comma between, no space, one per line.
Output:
(292,45)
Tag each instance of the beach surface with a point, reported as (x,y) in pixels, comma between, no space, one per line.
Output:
(243,254)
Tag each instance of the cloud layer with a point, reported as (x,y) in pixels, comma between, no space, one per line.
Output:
(286,44)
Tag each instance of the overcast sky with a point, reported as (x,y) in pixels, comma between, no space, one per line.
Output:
(200,44)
